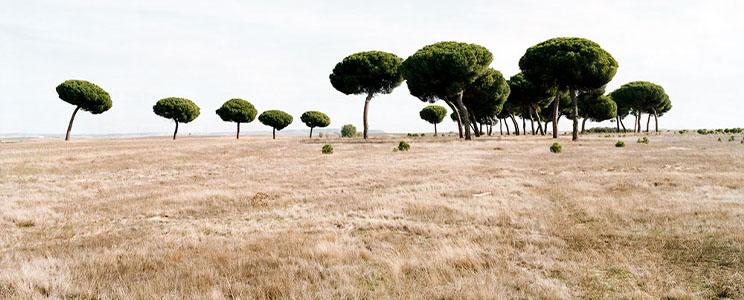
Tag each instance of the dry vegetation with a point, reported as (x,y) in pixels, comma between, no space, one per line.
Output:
(219,218)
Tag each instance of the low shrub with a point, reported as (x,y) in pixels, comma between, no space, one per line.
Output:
(555,148)
(683,131)
(732,139)
(603,130)
(620,144)
(348,131)
(327,149)
(403,146)
(643,140)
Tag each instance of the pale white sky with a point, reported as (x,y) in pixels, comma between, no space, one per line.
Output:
(278,54)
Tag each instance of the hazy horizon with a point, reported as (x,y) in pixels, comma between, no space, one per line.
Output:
(278,56)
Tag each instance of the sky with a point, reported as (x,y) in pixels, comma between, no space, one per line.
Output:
(278,55)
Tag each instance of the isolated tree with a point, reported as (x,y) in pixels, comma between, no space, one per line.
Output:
(433,114)
(179,110)
(238,111)
(84,95)
(315,119)
(572,64)
(485,97)
(443,71)
(368,73)
(276,119)
(643,97)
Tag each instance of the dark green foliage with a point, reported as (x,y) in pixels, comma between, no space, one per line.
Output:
(327,149)
(368,73)
(433,114)
(403,146)
(556,148)
(642,96)
(601,130)
(178,109)
(682,131)
(643,140)
(597,108)
(275,119)
(732,138)
(86,95)
(348,130)
(238,111)
(485,97)
(620,144)
(315,119)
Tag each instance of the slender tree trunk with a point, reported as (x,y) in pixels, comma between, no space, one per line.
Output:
(656,121)
(175,132)
(507,127)
(481,128)
(516,124)
(532,120)
(311,132)
(474,125)
(69,126)
(635,122)
(539,123)
(575,104)
(457,114)
(465,115)
(366,109)
(623,125)
(583,125)
(640,117)
(617,123)
(273,133)
(237,135)
(546,127)
(524,126)
(556,103)
(648,121)
(490,128)
(501,128)
(435,129)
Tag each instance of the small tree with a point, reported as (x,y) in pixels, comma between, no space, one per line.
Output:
(368,73)
(433,114)
(443,71)
(572,64)
(348,130)
(643,97)
(276,119)
(179,110)
(597,108)
(315,119)
(238,111)
(84,95)
(485,97)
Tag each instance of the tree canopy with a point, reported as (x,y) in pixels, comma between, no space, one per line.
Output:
(315,119)
(276,119)
(180,110)
(642,97)
(237,110)
(486,96)
(84,95)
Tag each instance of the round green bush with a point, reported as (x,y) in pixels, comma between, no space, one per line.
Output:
(403,146)
(620,144)
(348,130)
(643,140)
(327,149)
(555,148)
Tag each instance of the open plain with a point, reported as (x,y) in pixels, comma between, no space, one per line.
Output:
(499,217)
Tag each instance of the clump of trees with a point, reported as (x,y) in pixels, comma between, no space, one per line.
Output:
(180,110)
(83,95)
(639,97)
(315,119)
(238,111)
(276,119)
(433,114)
(367,73)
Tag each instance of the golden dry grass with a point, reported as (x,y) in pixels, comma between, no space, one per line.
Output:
(256,218)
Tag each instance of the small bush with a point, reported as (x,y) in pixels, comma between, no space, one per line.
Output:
(620,144)
(555,148)
(327,149)
(403,146)
(682,131)
(719,139)
(603,130)
(643,140)
(732,139)
(348,131)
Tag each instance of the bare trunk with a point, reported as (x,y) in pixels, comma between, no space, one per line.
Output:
(532,121)
(175,132)
(457,114)
(524,125)
(507,127)
(617,123)
(556,103)
(69,126)
(656,121)
(623,125)
(474,125)
(311,132)
(583,125)
(648,121)
(465,115)
(501,128)
(546,126)
(237,135)
(435,129)
(516,124)
(366,109)
(273,133)
(575,104)
(635,122)
(539,123)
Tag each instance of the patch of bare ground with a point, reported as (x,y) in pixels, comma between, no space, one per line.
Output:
(259,218)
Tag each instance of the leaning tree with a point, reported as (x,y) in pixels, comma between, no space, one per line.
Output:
(315,119)
(238,111)
(433,114)
(84,95)
(443,71)
(276,119)
(367,73)
(485,97)
(643,97)
(532,97)
(179,110)
(573,64)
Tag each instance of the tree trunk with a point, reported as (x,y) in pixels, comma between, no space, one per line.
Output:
(508,132)
(457,114)
(524,125)
(556,103)
(237,135)
(474,125)
(435,129)
(583,125)
(366,109)
(501,128)
(69,126)
(635,122)
(532,121)
(640,117)
(516,124)
(546,127)
(311,132)
(539,123)
(175,131)
(648,121)
(273,133)
(617,123)
(575,104)
(623,125)
(656,121)
(465,115)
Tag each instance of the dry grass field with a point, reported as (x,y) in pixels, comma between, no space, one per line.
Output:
(216,218)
